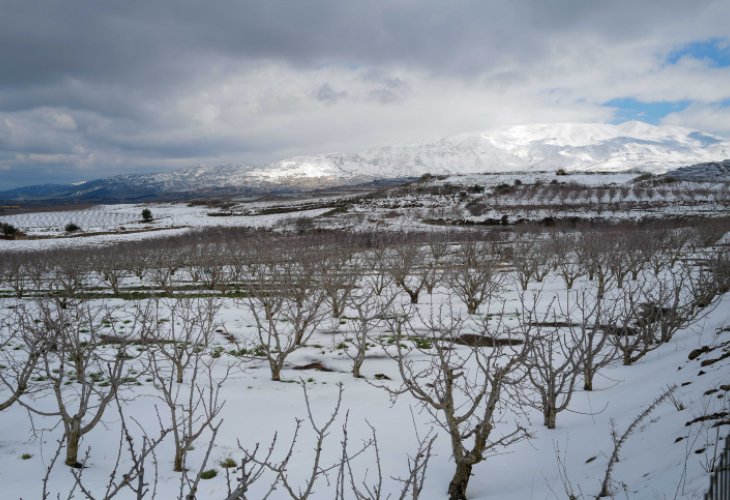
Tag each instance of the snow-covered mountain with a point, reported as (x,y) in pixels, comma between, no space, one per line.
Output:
(574,147)
(634,146)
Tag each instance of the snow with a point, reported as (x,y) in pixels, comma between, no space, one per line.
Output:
(122,222)
(652,464)
(574,147)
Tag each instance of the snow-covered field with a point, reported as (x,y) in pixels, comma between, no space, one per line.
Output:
(669,455)
(664,458)
(451,200)
(123,223)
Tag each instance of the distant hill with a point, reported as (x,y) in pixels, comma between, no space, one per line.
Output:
(711,171)
(631,146)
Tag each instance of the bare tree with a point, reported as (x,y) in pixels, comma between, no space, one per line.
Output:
(111,268)
(21,347)
(632,337)
(553,360)
(565,259)
(84,375)
(462,388)
(14,267)
(135,480)
(474,276)
(280,468)
(259,465)
(282,333)
(68,276)
(587,318)
(620,440)
(338,278)
(593,254)
(194,406)
(376,273)
(208,266)
(531,260)
(370,311)
(406,269)
(180,328)
(438,251)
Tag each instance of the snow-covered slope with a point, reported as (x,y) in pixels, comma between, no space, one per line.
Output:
(632,146)
(573,147)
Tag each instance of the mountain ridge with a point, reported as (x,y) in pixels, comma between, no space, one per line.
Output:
(572,147)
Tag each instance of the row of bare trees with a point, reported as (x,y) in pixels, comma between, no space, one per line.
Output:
(68,359)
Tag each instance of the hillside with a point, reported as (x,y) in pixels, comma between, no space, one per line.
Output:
(631,146)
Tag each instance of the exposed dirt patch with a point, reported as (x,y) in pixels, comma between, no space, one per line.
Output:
(705,418)
(473,340)
(555,324)
(697,352)
(618,331)
(315,365)
(712,361)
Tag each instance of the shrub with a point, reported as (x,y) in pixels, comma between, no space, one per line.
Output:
(503,188)
(71,227)
(146,215)
(8,229)
(561,171)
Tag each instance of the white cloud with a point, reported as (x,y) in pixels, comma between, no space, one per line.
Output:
(708,117)
(335,76)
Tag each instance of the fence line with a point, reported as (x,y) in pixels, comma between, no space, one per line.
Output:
(720,480)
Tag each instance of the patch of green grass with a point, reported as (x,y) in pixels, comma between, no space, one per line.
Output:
(228,463)
(26,456)
(259,351)
(208,474)
(421,343)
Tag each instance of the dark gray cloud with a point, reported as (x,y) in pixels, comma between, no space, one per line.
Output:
(327,95)
(94,88)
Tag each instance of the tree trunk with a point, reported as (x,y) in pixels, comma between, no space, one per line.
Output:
(413,296)
(179,372)
(458,484)
(358,361)
(471,306)
(587,379)
(73,436)
(275,372)
(550,417)
(179,456)
(627,358)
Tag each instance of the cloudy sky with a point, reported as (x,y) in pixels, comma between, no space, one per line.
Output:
(94,88)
